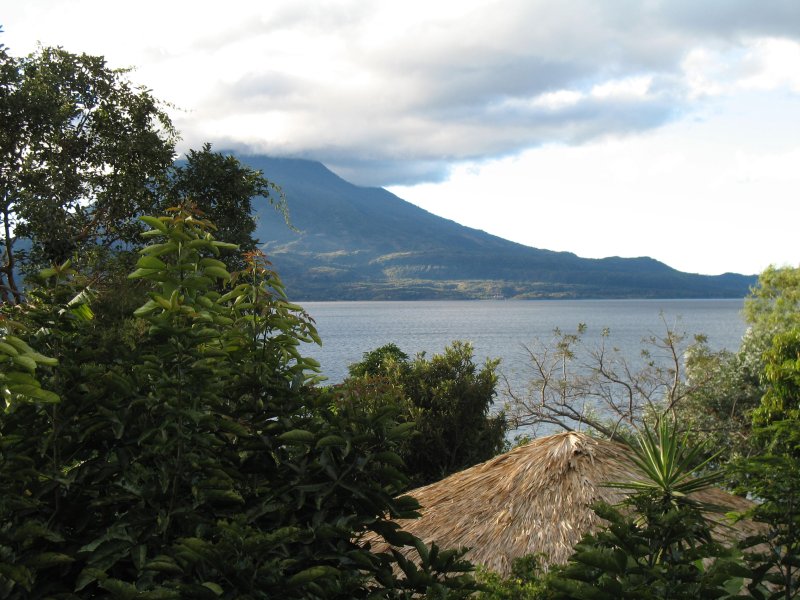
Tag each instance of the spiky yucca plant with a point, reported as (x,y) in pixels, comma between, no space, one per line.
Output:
(658,542)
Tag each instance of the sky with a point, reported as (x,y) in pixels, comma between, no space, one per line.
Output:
(661,128)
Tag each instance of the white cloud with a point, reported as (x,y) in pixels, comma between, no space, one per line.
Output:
(701,196)
(761,64)
(635,88)
(558,100)
(772,64)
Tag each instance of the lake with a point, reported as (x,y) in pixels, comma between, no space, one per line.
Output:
(501,329)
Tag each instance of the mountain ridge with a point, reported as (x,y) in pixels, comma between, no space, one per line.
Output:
(365,243)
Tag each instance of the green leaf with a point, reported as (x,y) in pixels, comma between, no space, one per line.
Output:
(119,589)
(400,431)
(198,548)
(159,249)
(212,262)
(163,302)
(298,436)
(224,245)
(17,343)
(222,497)
(8,349)
(239,290)
(19,378)
(155,223)
(163,564)
(213,587)
(601,558)
(312,574)
(145,309)
(390,457)
(19,574)
(44,360)
(331,440)
(200,243)
(143,273)
(150,262)
(218,272)
(26,362)
(36,393)
(44,560)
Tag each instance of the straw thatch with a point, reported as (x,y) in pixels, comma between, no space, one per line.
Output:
(535,499)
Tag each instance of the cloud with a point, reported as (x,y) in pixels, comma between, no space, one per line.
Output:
(397,92)
(404,103)
(732,18)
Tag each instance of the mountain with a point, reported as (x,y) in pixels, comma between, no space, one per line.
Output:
(360,243)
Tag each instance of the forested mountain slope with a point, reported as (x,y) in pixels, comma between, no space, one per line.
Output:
(365,243)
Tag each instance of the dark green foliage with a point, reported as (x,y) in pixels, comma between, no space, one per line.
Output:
(726,391)
(781,401)
(653,553)
(774,481)
(658,544)
(223,189)
(379,362)
(773,477)
(448,400)
(527,581)
(80,150)
(749,405)
(193,463)
(723,388)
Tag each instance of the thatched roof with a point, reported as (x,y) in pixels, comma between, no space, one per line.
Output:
(534,499)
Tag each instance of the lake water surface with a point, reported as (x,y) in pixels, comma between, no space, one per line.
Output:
(501,329)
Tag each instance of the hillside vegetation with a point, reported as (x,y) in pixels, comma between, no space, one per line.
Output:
(357,243)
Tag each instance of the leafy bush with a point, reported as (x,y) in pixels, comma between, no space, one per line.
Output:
(526,582)
(193,463)
(446,397)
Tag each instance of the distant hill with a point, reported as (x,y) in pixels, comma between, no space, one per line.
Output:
(358,243)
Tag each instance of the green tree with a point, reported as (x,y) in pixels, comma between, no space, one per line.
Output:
(774,303)
(224,189)
(773,476)
(725,388)
(773,480)
(194,463)
(80,149)
(749,409)
(447,397)
(781,401)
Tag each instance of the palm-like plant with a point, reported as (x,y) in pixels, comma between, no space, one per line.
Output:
(658,543)
(669,464)
(662,501)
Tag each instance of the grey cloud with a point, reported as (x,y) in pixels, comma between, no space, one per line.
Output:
(379,172)
(275,18)
(463,90)
(428,152)
(730,18)
(261,91)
